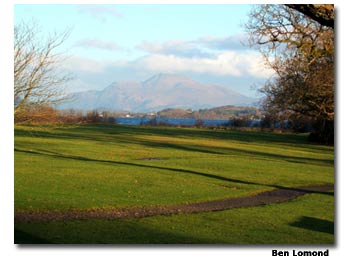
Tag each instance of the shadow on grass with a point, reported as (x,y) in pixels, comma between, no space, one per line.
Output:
(315,224)
(236,151)
(104,132)
(208,175)
(22,237)
(103,232)
(111,134)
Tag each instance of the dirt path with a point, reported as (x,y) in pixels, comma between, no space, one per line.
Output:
(264,198)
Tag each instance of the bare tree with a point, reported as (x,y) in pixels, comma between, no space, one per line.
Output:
(301,51)
(37,76)
(281,32)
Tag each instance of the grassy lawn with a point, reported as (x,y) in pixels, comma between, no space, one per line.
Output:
(105,166)
(307,220)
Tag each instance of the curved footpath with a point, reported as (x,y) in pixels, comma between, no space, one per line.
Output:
(274,196)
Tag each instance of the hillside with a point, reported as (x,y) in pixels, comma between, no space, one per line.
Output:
(218,113)
(156,93)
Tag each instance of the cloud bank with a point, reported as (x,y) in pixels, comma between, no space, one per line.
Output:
(209,55)
(226,63)
(206,46)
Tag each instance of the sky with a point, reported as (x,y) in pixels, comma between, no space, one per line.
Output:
(111,43)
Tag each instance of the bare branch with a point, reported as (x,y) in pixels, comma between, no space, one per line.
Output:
(301,51)
(323,14)
(36,64)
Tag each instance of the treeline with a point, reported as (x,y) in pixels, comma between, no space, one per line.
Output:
(244,118)
(46,114)
(217,113)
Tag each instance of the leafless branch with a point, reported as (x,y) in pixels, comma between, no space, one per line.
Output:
(37,79)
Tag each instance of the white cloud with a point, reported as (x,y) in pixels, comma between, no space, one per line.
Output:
(176,47)
(221,56)
(223,64)
(181,57)
(205,47)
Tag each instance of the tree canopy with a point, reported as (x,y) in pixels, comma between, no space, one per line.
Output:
(301,51)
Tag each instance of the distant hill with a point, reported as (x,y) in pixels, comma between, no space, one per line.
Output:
(156,93)
(217,113)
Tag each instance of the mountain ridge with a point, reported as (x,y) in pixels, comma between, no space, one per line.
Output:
(158,92)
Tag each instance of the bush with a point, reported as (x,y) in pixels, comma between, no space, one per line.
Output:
(93,117)
(43,114)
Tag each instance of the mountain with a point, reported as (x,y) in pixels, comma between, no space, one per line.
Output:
(156,93)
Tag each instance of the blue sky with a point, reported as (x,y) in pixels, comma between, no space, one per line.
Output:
(111,43)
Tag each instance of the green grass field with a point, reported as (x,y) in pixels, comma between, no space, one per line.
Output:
(111,166)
